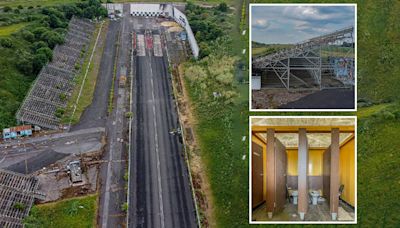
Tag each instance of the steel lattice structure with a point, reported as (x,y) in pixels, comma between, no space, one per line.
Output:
(304,56)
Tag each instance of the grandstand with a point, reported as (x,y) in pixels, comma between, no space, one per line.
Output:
(305,64)
(49,94)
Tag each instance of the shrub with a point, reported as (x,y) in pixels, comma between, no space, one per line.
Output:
(16,11)
(62,96)
(124,207)
(38,45)
(223,7)
(39,60)
(7,9)
(52,38)
(59,112)
(45,51)
(28,36)
(6,42)
(20,7)
(19,206)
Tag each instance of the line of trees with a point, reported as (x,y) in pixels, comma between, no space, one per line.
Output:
(45,32)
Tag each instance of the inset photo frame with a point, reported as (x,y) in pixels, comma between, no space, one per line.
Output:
(303,57)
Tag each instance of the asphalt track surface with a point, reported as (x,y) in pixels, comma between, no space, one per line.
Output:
(95,115)
(160,192)
(324,99)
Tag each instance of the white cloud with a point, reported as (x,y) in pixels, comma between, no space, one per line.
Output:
(260,23)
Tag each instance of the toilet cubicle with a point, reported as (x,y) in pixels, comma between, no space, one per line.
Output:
(276,174)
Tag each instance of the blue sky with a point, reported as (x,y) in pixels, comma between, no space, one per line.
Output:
(292,24)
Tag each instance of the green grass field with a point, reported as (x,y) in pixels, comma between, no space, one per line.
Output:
(365,112)
(267,49)
(8,30)
(76,212)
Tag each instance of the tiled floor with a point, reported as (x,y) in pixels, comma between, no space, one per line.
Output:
(318,212)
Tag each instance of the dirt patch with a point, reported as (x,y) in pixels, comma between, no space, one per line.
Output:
(267,98)
(169,24)
(175,29)
(199,177)
(55,182)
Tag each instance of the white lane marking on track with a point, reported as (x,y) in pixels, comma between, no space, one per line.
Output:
(140,45)
(157,46)
(157,151)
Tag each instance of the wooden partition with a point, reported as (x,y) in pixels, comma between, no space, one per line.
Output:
(331,174)
(302,173)
(276,174)
(326,172)
(257,179)
(335,178)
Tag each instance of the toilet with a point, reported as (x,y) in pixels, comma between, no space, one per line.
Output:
(314,197)
(294,194)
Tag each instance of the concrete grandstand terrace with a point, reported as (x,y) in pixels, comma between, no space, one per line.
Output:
(16,189)
(305,68)
(54,83)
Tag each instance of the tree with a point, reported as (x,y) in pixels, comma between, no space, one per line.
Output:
(223,7)
(56,22)
(7,9)
(39,44)
(6,42)
(46,51)
(39,60)
(27,35)
(39,31)
(52,38)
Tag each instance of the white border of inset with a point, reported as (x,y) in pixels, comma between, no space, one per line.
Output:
(302,222)
(303,110)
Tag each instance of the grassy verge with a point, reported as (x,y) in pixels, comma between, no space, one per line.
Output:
(111,96)
(90,82)
(76,212)
(368,111)
(9,29)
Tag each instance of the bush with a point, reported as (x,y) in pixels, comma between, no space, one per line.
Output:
(6,42)
(19,206)
(7,9)
(16,11)
(45,51)
(27,35)
(52,38)
(223,7)
(38,45)
(20,7)
(39,60)
(124,207)
(39,31)
(59,112)
(62,96)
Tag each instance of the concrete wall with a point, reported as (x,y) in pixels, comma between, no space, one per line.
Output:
(111,7)
(181,19)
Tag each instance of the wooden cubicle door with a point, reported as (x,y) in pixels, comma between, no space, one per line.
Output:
(281,173)
(257,175)
(276,174)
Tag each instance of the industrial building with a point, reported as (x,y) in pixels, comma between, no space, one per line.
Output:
(303,169)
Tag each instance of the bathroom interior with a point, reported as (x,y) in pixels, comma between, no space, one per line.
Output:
(307,174)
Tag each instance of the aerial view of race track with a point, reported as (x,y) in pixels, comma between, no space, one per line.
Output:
(126,145)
